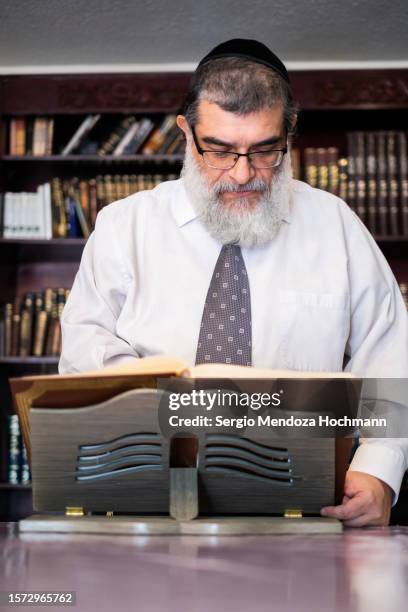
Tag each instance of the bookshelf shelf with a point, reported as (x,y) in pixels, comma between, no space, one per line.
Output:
(95,159)
(6,486)
(56,242)
(29,361)
(18,251)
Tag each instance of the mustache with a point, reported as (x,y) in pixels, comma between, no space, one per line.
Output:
(253,185)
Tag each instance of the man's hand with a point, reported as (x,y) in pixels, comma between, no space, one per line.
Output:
(367,501)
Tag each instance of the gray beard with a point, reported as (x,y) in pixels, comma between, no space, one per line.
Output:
(242,224)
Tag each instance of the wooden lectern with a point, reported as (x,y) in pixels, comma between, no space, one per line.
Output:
(106,467)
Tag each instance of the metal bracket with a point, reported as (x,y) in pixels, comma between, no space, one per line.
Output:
(74,511)
(293,513)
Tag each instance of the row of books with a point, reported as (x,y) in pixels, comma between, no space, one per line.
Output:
(372,179)
(30,326)
(18,470)
(67,208)
(31,136)
(96,135)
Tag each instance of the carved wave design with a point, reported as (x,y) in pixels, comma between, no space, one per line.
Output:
(230,454)
(275,452)
(133,449)
(121,472)
(138,438)
(127,454)
(239,453)
(244,474)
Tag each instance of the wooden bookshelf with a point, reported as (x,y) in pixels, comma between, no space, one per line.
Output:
(96,159)
(332,103)
(29,361)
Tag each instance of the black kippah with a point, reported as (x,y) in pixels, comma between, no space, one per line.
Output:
(248,49)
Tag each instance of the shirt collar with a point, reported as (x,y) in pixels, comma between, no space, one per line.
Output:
(184,211)
(183,208)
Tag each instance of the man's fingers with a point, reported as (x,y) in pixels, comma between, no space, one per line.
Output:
(352,508)
(360,521)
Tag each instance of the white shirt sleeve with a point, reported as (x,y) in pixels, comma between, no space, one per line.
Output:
(377,348)
(88,321)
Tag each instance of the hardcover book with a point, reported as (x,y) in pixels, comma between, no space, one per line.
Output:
(85,388)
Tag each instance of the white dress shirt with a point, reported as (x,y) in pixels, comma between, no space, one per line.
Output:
(323,297)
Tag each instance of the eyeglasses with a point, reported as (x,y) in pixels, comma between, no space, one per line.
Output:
(225,160)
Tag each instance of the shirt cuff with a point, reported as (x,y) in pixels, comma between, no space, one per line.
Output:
(385,463)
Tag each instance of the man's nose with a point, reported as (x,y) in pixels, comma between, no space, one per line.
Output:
(243,171)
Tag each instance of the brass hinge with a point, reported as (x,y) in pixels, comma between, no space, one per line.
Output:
(74,511)
(293,513)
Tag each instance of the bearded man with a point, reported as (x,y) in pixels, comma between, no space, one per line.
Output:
(238,263)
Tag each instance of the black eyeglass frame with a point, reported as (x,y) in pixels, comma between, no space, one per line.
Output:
(201,151)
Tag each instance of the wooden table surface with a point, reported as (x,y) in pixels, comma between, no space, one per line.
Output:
(362,570)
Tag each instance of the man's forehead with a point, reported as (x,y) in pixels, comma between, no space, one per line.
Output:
(214,121)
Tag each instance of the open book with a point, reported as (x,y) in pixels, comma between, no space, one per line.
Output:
(86,388)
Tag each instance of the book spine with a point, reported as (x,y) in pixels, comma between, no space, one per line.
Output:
(40,136)
(126,185)
(371,172)
(100,192)
(13,450)
(25,475)
(145,127)
(116,136)
(13,137)
(392,183)
(73,229)
(360,175)
(84,200)
(47,206)
(15,329)
(310,166)
(126,139)
(50,136)
(58,208)
(179,143)
(25,332)
(170,138)
(55,338)
(40,333)
(403,180)
(351,173)
(93,202)
(81,217)
(382,190)
(333,169)
(159,135)
(8,324)
(29,135)
(87,124)
(20,147)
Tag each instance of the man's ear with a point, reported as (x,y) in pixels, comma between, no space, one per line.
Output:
(183,125)
(294,121)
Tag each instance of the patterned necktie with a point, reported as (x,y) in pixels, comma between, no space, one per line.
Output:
(225,333)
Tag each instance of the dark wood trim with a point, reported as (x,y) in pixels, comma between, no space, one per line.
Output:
(29,361)
(94,158)
(86,93)
(43,241)
(164,92)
